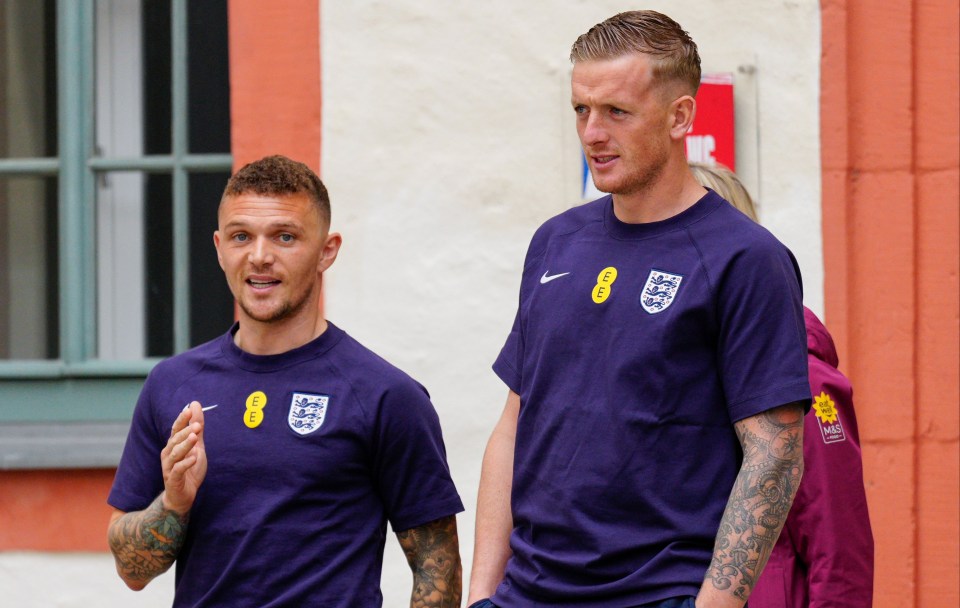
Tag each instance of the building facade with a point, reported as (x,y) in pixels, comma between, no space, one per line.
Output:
(444,134)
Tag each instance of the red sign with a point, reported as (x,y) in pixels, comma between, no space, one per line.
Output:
(711,138)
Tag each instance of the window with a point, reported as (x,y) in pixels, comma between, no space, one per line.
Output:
(114,149)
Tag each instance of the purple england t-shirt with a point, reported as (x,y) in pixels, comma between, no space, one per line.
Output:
(635,348)
(309,454)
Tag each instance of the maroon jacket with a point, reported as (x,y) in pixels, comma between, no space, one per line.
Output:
(824,557)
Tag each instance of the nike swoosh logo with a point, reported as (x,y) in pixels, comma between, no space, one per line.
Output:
(546,278)
(203,409)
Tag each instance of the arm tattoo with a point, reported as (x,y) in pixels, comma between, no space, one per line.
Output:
(761,497)
(146,543)
(433,552)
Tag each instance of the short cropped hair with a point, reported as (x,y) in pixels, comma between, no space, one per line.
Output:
(278,175)
(675,54)
(725,182)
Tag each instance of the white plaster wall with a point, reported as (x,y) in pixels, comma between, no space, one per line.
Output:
(448,138)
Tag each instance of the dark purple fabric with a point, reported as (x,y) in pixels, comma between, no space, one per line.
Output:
(824,557)
(287,517)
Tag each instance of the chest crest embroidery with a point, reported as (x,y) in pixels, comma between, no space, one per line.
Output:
(307,412)
(659,291)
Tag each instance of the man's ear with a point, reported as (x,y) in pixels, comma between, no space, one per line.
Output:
(682,112)
(331,247)
(216,245)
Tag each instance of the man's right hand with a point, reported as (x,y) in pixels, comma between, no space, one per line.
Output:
(146,543)
(491,548)
(184,460)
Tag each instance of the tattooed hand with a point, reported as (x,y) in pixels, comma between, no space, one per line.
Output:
(146,543)
(762,494)
(433,552)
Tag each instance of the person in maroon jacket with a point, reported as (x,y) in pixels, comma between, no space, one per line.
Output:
(824,556)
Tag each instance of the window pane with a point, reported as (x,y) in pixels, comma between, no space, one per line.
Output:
(134,265)
(119,76)
(158,284)
(28,269)
(28,104)
(120,224)
(211,303)
(157,78)
(209,77)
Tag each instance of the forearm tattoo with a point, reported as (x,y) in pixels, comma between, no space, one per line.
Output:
(146,543)
(433,552)
(760,500)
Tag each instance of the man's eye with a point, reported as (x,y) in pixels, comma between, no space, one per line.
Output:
(580,109)
(240,237)
(617,112)
(286,238)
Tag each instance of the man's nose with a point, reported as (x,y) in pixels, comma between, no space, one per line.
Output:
(594,129)
(262,252)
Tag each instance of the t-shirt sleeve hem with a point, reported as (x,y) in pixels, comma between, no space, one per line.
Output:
(507,374)
(128,502)
(425,515)
(789,393)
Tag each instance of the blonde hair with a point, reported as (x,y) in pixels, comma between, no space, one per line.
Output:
(674,53)
(725,182)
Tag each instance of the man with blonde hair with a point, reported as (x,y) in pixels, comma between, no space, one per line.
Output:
(650,446)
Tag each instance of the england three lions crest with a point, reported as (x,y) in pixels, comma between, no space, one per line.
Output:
(307,412)
(659,291)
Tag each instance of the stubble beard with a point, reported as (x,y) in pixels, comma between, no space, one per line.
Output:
(633,183)
(638,179)
(286,310)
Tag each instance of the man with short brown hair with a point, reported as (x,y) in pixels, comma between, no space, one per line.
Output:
(266,463)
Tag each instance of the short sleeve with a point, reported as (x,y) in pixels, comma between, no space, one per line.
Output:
(409,459)
(139,479)
(509,361)
(762,347)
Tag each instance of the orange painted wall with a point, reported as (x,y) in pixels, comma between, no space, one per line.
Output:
(890,130)
(275,99)
(54,510)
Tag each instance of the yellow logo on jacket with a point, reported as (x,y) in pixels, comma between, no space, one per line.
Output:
(825,408)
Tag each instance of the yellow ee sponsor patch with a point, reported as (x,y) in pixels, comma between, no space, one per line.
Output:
(254,414)
(601,291)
